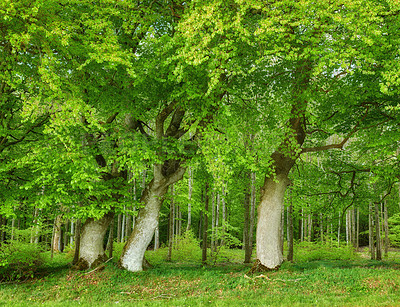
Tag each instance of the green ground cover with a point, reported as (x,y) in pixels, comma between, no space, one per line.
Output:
(184,282)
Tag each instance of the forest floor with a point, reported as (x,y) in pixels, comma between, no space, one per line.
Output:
(354,282)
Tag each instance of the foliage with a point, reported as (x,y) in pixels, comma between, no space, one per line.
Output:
(394,227)
(19,259)
(313,251)
(187,247)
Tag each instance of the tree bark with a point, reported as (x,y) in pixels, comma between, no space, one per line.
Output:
(378,234)
(171,223)
(371,232)
(386,227)
(147,220)
(55,244)
(246,226)
(110,241)
(91,247)
(268,240)
(189,218)
(290,232)
(252,210)
(205,226)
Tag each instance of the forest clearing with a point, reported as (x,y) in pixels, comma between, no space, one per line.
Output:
(199,152)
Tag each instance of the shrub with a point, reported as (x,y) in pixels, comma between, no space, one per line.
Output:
(311,251)
(187,248)
(19,259)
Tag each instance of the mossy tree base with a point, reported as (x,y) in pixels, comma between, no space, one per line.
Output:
(258,267)
(83,264)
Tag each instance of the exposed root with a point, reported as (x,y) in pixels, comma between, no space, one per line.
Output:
(258,267)
(83,264)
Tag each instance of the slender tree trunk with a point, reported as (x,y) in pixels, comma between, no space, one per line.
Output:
(157,238)
(189,218)
(12,229)
(378,234)
(353,227)
(282,228)
(252,211)
(224,216)
(358,230)
(119,224)
(371,232)
(310,226)
(171,223)
(110,241)
(212,221)
(246,241)
(347,228)
(77,240)
(55,244)
(339,226)
(72,230)
(302,226)
(290,232)
(386,227)
(35,228)
(205,226)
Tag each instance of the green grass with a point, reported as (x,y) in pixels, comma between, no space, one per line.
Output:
(352,282)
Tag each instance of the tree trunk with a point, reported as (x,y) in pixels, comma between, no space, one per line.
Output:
(290,232)
(386,227)
(189,218)
(157,238)
(171,227)
(119,222)
(358,230)
(371,232)
(55,243)
(212,221)
(224,219)
(147,220)
(110,241)
(91,247)
(205,227)
(269,253)
(246,241)
(77,240)
(252,211)
(378,234)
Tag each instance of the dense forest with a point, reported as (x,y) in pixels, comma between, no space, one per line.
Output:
(239,124)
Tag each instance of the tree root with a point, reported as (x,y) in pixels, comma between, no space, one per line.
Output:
(258,267)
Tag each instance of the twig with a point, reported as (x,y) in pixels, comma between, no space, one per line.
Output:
(99,267)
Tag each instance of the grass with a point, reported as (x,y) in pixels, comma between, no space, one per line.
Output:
(357,282)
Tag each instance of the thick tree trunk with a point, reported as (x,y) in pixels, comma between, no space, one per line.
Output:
(269,253)
(91,247)
(147,220)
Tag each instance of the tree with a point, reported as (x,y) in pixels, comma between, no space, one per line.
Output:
(318,57)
